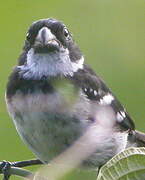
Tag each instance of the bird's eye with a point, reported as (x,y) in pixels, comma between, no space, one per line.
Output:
(28,36)
(66,33)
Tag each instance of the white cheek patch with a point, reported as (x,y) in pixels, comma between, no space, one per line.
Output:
(106,100)
(120,116)
(78,65)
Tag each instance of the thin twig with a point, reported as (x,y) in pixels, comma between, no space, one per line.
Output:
(27,163)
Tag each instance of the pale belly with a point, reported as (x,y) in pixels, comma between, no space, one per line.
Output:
(49,126)
(48,134)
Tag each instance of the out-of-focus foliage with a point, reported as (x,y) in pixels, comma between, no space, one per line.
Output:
(109,32)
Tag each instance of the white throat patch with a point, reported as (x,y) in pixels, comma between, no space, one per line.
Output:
(52,64)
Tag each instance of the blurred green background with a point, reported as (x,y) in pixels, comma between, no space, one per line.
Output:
(111,34)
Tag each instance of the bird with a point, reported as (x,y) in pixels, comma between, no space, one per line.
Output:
(53,97)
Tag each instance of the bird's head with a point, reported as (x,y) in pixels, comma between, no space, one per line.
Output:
(49,51)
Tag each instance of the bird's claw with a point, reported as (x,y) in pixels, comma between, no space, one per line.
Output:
(5,168)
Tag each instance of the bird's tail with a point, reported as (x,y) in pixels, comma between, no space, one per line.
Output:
(136,138)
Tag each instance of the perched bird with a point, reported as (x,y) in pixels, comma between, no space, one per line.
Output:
(53,97)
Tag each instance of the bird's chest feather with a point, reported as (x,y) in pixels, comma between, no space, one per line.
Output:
(50,121)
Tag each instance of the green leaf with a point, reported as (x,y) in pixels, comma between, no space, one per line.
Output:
(127,165)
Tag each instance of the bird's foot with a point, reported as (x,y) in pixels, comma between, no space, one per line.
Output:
(5,167)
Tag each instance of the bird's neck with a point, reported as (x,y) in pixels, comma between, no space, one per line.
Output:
(52,64)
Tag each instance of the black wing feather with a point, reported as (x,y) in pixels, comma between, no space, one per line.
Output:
(95,88)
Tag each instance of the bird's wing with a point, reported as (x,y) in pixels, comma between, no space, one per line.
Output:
(96,91)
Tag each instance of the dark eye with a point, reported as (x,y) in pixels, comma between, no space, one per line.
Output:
(66,33)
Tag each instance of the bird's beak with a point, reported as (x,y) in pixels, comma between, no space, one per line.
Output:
(46,37)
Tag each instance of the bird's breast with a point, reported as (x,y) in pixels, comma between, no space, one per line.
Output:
(48,123)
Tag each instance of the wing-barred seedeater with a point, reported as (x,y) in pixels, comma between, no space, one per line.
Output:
(52,96)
